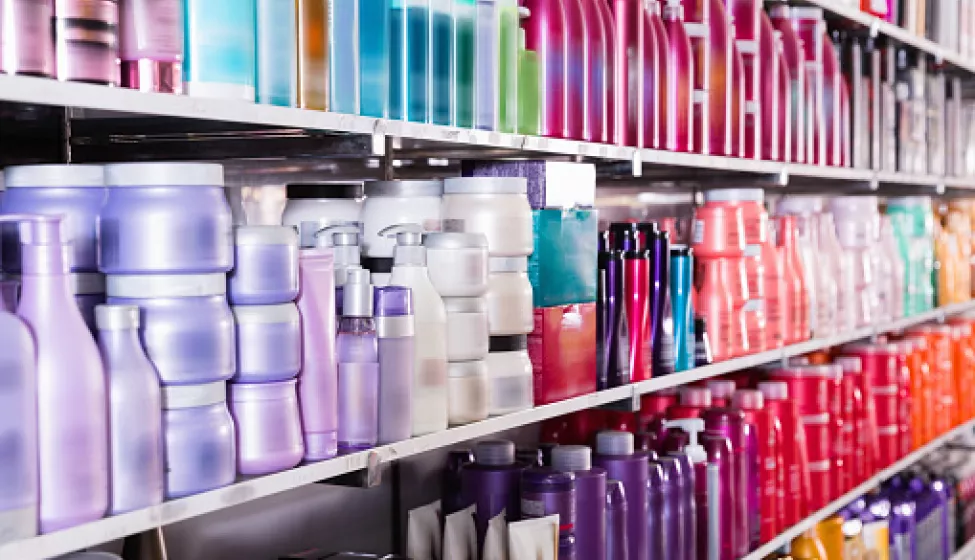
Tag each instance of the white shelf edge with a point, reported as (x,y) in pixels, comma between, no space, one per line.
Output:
(966,552)
(786,536)
(245,490)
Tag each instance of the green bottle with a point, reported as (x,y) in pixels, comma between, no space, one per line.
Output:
(528,86)
(508,62)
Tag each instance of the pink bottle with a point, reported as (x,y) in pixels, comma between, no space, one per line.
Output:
(654,13)
(679,84)
(784,103)
(545,35)
(832,102)
(721,392)
(771,474)
(795,458)
(653,75)
(795,307)
(746,15)
(627,59)
(811,29)
(712,279)
(743,319)
(768,63)
(777,296)
(691,402)
(576,64)
(697,15)
(598,69)
(737,103)
(795,59)
(609,49)
(846,123)
(721,71)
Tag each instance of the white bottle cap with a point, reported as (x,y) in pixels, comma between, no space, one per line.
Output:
(571,458)
(691,426)
(774,390)
(721,388)
(614,443)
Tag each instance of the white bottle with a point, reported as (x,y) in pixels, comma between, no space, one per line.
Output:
(430,319)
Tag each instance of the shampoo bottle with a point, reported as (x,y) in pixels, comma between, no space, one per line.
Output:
(545,34)
(697,14)
(442,35)
(654,55)
(590,499)
(277,58)
(508,83)
(768,89)
(576,71)
(681,292)
(430,359)
(492,483)
(721,70)
(795,59)
(313,54)
(344,240)
(636,274)
(612,324)
(599,48)
(617,512)
(794,452)
(374,54)
(615,453)
(679,90)
(487,68)
(358,366)
(343,47)
(628,63)
(465,17)
(409,64)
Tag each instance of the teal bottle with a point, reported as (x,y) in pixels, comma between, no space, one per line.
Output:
(374,53)
(277,57)
(441,61)
(681,284)
(409,65)
(464,32)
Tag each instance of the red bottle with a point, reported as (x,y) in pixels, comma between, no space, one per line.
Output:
(628,99)
(655,77)
(797,484)
(795,59)
(846,124)
(840,446)
(697,14)
(854,424)
(832,102)
(609,46)
(768,61)
(784,129)
(811,29)
(777,297)
(545,35)
(679,84)
(598,71)
(787,232)
(771,473)
(722,79)
(865,422)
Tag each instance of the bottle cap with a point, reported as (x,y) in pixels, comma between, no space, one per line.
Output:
(570,458)
(116,317)
(266,314)
(404,188)
(324,191)
(392,301)
(692,427)
(42,250)
(695,396)
(357,294)
(55,175)
(409,250)
(734,195)
(721,388)
(495,453)
(774,390)
(613,442)
(748,399)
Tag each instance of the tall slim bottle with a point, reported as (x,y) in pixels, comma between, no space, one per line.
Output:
(746,14)
(810,27)
(795,58)
(545,35)
(785,102)
(465,16)
(409,65)
(768,68)
(277,59)
(393,310)
(609,37)
(357,356)
(654,13)
(442,37)
(721,73)
(343,49)
(576,71)
(598,51)
(628,66)
(529,84)
(832,102)
(487,68)
(697,15)
(508,83)
(653,54)
(218,46)
(374,54)
(738,103)
(313,54)
(636,281)
(681,292)
(680,80)
(612,326)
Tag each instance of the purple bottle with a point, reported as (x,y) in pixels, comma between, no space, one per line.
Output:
(902,530)
(615,453)
(491,483)
(317,381)
(931,517)
(661,312)
(617,515)
(546,491)
(134,410)
(393,308)
(671,509)
(357,356)
(612,338)
(72,409)
(657,479)
(730,423)
(590,495)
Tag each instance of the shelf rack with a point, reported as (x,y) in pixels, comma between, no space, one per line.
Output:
(249,489)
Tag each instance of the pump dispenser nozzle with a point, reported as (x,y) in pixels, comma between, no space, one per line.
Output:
(344,239)
(409,250)
(357,293)
(692,427)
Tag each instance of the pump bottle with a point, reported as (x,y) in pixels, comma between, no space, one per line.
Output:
(344,240)
(358,366)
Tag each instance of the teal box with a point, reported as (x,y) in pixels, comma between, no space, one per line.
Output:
(562,268)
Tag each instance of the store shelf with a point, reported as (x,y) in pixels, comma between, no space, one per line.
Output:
(966,552)
(112,528)
(786,537)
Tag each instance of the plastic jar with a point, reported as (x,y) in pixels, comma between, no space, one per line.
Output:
(313,206)
(467,392)
(718,232)
(75,191)
(199,435)
(187,327)
(495,206)
(268,426)
(509,297)
(509,375)
(754,219)
(86,41)
(30,50)
(268,342)
(457,263)
(89,291)
(467,329)
(397,202)
(265,265)
(165,218)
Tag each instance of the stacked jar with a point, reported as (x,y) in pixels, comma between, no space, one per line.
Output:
(458,267)
(389,203)
(76,192)
(497,207)
(179,284)
(263,393)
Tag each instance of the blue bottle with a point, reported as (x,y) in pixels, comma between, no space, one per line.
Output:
(441,61)
(374,53)
(277,57)
(343,45)
(487,50)
(219,48)
(409,64)
(681,284)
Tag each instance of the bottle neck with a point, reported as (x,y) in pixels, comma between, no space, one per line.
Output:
(120,344)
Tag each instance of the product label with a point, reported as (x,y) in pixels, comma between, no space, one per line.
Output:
(697,232)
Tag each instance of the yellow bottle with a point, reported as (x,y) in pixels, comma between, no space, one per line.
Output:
(808,547)
(830,533)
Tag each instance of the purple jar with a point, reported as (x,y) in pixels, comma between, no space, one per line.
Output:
(491,483)
(165,218)
(86,41)
(546,491)
(268,342)
(590,499)
(617,514)
(268,426)
(199,435)
(27,46)
(614,452)
(89,291)
(75,191)
(187,327)
(265,265)
(393,310)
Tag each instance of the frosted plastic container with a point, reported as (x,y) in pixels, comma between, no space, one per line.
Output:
(18,423)
(509,297)
(165,218)
(467,392)
(495,206)
(268,342)
(313,206)
(265,265)
(457,263)
(268,426)
(89,291)
(397,202)
(199,435)
(509,375)
(75,191)
(186,325)
(467,329)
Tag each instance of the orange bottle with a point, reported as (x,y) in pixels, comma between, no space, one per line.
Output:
(807,546)
(830,533)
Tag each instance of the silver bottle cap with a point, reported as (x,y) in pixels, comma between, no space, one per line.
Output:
(357,294)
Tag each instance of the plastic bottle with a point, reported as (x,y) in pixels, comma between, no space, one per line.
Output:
(721,70)
(767,90)
(795,59)
(795,462)
(529,79)
(783,132)
(508,63)
(135,411)
(617,513)
(430,362)
(343,74)
(628,100)
(833,103)
(599,50)
(465,32)
(492,483)
(731,424)
(615,453)
(395,331)
(766,495)
(344,240)
(312,54)
(798,308)
(374,56)
(612,334)
(653,72)
(442,60)
(277,58)
(809,25)
(72,403)
(697,14)
(409,65)
(576,71)
(357,357)
(590,499)
(681,293)
(636,275)
(545,34)
(680,82)
(808,547)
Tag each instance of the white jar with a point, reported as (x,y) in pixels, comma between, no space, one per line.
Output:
(467,386)
(457,263)
(389,203)
(495,206)
(509,297)
(313,206)
(509,375)
(467,329)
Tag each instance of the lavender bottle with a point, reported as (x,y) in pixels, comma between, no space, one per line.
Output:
(590,499)
(358,366)
(492,483)
(393,307)
(617,541)
(546,491)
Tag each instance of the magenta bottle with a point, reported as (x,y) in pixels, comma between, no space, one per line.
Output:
(697,15)
(654,12)
(767,65)
(653,55)
(680,80)
(72,402)
(357,359)
(151,45)
(615,453)
(590,499)
(545,34)
(599,39)
(617,513)
(628,101)
(795,62)
(576,62)
(609,48)
(832,102)
(27,46)
(737,103)
(730,423)
(721,70)
(785,104)
(810,28)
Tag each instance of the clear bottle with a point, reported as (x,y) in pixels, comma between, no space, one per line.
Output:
(409,65)
(135,411)
(442,61)
(487,65)
(430,319)
(374,55)
(313,54)
(465,16)
(343,49)
(357,356)
(277,58)
(508,83)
